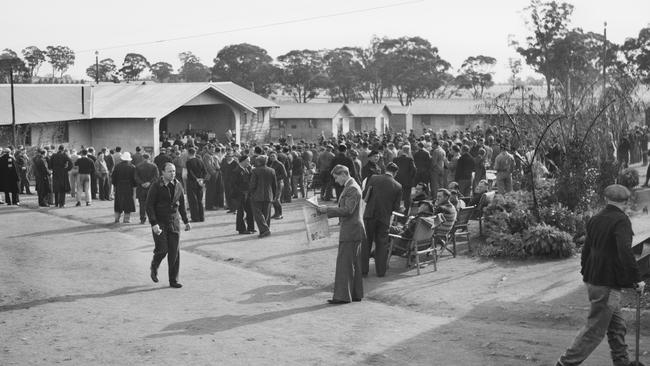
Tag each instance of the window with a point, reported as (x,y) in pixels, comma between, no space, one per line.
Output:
(260,115)
(293,127)
(311,123)
(426,120)
(283,123)
(357,123)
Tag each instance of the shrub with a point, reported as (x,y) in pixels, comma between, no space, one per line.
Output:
(564,219)
(502,245)
(629,178)
(547,241)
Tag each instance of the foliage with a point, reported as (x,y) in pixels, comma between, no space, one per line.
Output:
(513,231)
(547,241)
(476,74)
(303,74)
(192,70)
(9,61)
(60,57)
(106,70)
(246,65)
(637,55)
(134,64)
(34,57)
(344,70)
(411,66)
(548,23)
(162,71)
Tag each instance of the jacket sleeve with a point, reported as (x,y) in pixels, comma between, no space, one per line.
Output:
(181,208)
(152,197)
(347,206)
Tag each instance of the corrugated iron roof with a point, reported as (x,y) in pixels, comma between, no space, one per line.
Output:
(37,103)
(449,107)
(307,110)
(365,110)
(43,103)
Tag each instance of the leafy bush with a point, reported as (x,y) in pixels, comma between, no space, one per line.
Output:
(512,230)
(547,241)
(629,178)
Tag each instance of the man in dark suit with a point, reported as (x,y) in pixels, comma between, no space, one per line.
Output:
(263,190)
(422,160)
(280,174)
(42,177)
(196,174)
(213,167)
(146,174)
(342,159)
(60,164)
(9,177)
(406,173)
(240,181)
(348,281)
(165,203)
(383,195)
(464,171)
(608,265)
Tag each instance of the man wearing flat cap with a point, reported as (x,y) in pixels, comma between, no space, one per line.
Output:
(608,265)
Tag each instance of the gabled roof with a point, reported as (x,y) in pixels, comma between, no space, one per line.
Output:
(36,103)
(449,107)
(308,110)
(398,109)
(159,100)
(366,110)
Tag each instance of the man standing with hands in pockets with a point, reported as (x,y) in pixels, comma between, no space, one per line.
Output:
(165,203)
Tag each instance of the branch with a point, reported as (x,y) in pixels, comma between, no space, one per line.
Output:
(593,122)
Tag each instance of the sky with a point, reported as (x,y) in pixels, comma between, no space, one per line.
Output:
(162,29)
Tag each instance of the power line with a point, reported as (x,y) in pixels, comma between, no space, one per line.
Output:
(261,26)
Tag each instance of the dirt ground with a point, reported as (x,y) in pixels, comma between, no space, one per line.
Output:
(75,290)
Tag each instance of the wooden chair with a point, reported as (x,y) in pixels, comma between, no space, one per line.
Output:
(459,229)
(421,243)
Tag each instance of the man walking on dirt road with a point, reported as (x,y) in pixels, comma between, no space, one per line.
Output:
(165,202)
(607,266)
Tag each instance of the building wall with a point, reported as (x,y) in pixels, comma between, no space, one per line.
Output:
(127,133)
(213,118)
(398,122)
(445,122)
(79,133)
(300,129)
(256,127)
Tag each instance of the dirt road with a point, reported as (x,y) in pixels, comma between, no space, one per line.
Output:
(76,290)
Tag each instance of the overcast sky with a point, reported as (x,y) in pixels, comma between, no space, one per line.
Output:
(459,28)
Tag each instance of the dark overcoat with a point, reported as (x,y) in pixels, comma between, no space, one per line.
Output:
(123,178)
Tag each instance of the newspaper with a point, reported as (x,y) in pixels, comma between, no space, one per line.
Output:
(318,228)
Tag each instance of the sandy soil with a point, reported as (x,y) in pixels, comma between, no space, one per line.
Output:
(76,290)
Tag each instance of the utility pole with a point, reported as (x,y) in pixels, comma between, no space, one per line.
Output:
(96,67)
(13,105)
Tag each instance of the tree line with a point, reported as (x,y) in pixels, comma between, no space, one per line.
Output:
(406,67)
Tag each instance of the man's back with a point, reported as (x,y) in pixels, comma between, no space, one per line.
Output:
(385,196)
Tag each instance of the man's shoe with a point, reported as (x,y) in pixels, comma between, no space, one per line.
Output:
(154,274)
(337,302)
(252,231)
(88,203)
(264,234)
(356,299)
(142,221)
(244,232)
(78,203)
(277,217)
(175,285)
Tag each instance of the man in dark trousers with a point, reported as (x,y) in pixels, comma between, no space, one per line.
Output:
(42,177)
(324,163)
(383,195)
(406,173)
(60,164)
(213,168)
(263,190)
(22,161)
(195,182)
(608,265)
(280,174)
(422,160)
(342,159)
(9,177)
(146,174)
(240,181)
(464,171)
(165,207)
(228,164)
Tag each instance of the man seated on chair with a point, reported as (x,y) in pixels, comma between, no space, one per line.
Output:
(425,209)
(421,193)
(481,189)
(448,211)
(456,200)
